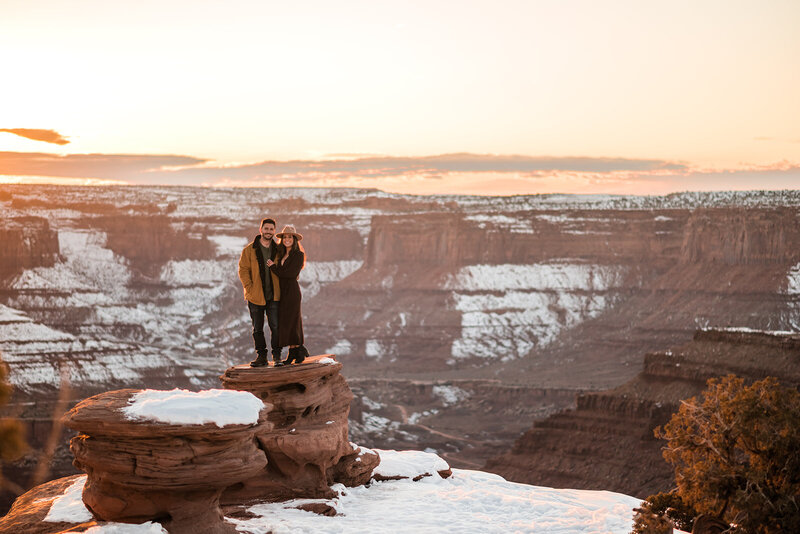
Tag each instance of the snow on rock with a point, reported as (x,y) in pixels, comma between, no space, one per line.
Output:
(374,349)
(793,290)
(319,273)
(341,347)
(540,276)
(793,281)
(450,395)
(190,272)
(507,310)
(228,245)
(69,507)
(127,528)
(468,502)
(182,407)
(409,464)
(326,360)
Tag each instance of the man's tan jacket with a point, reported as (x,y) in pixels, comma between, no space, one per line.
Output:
(250,275)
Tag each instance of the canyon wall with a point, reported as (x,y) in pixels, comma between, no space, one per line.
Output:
(28,242)
(607,440)
(545,296)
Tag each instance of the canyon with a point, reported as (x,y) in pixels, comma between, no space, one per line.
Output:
(460,321)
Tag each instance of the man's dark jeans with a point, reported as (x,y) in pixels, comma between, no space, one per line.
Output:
(257,317)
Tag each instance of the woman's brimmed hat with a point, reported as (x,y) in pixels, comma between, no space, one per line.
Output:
(289,230)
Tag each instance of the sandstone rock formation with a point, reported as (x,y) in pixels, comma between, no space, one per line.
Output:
(147,469)
(607,441)
(143,470)
(306,444)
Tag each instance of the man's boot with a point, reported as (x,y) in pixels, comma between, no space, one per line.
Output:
(260,361)
(276,357)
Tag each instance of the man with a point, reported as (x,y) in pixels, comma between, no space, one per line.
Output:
(261,291)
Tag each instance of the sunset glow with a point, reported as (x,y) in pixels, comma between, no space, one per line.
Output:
(517,97)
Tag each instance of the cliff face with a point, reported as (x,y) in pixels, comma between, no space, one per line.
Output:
(741,237)
(28,242)
(607,440)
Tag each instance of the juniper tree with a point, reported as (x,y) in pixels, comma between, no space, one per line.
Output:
(12,442)
(736,453)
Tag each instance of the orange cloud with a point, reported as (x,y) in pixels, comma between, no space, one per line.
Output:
(47,136)
(132,168)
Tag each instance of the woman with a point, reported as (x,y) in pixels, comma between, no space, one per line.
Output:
(291,258)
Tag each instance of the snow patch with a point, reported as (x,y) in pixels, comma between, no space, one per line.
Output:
(450,395)
(374,349)
(507,310)
(317,274)
(182,407)
(228,245)
(341,347)
(540,276)
(408,464)
(127,528)
(69,507)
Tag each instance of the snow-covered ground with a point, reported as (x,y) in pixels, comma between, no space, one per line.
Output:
(507,310)
(466,502)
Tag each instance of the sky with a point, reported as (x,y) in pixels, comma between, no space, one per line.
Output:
(478,97)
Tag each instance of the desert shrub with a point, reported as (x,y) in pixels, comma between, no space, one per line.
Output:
(661,512)
(736,455)
(12,437)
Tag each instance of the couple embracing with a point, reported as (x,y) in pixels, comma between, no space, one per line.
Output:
(268,270)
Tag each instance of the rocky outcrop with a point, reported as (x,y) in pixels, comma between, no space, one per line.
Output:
(143,467)
(140,470)
(152,241)
(607,441)
(28,242)
(306,444)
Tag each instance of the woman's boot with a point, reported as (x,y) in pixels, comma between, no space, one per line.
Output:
(292,356)
(301,354)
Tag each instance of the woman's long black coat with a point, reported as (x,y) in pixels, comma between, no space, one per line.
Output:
(290,319)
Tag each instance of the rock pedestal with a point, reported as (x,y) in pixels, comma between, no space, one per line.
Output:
(307,445)
(140,470)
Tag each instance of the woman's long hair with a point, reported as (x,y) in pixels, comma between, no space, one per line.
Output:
(295,246)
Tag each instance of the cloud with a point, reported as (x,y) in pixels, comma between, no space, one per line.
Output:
(377,167)
(47,136)
(446,173)
(132,168)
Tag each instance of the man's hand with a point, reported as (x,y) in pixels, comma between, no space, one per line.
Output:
(270,263)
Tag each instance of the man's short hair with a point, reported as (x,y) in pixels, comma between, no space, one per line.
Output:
(267,220)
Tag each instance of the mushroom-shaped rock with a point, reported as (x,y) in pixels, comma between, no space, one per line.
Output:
(166,455)
(308,439)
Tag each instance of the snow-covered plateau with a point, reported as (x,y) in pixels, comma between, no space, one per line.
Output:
(467,501)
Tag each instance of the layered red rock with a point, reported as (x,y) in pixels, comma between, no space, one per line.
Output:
(140,470)
(607,441)
(307,443)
